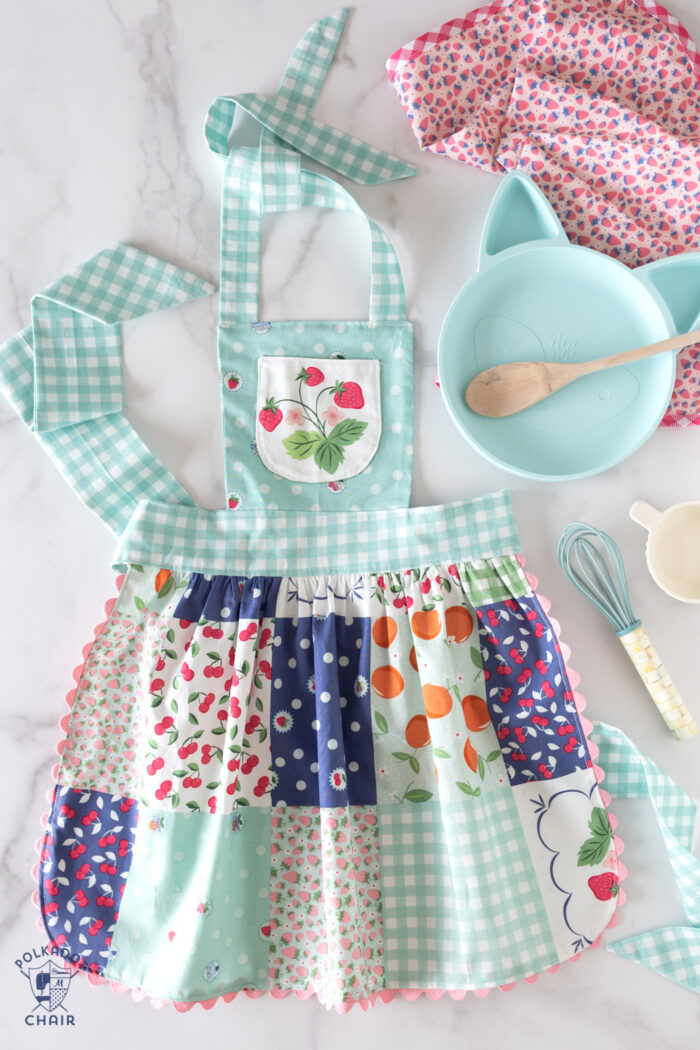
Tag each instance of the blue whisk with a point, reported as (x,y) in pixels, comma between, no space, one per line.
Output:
(592,561)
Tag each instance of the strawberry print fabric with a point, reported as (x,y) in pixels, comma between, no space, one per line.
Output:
(325,911)
(597,102)
(317,421)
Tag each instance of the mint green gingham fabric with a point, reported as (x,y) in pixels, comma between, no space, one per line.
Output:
(246,196)
(493,580)
(279,543)
(63,376)
(289,115)
(461,904)
(673,952)
(270,178)
(76,336)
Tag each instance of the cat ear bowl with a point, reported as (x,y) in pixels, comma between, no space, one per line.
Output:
(536,297)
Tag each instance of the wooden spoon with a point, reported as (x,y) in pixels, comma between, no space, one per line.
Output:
(506,389)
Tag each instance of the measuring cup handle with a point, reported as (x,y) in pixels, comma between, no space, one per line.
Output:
(644,514)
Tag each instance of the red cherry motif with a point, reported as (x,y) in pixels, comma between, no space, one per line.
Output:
(270,416)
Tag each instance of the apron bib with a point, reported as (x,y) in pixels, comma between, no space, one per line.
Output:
(316,414)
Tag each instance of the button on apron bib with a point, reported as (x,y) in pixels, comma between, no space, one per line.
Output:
(312,749)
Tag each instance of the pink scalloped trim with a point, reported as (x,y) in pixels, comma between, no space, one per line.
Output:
(456,25)
(386,995)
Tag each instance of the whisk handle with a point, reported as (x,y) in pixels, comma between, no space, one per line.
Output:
(658,682)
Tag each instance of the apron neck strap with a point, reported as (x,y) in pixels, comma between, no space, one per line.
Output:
(271,178)
(287,120)
(247,181)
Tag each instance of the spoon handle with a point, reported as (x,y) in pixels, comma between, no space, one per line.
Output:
(676,342)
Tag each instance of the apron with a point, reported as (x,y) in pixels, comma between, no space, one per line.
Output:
(332,752)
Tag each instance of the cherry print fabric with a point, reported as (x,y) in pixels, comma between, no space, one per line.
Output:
(528,696)
(596,101)
(84,863)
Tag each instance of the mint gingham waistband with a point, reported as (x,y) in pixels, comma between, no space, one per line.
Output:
(282,542)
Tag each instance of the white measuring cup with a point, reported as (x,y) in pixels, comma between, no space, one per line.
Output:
(673,546)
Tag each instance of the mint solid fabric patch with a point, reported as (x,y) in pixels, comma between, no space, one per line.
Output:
(194,922)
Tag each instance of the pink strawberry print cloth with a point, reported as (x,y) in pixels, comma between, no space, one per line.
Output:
(597,101)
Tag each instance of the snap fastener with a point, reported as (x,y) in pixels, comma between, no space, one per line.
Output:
(233,381)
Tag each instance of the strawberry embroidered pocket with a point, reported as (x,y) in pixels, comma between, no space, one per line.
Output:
(318,419)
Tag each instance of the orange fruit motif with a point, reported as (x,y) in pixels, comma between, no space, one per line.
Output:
(470,756)
(417,732)
(384,631)
(413,658)
(387,682)
(162,578)
(476,713)
(437,700)
(459,623)
(426,625)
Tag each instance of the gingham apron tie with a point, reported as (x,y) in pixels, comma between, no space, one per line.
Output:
(673,951)
(63,374)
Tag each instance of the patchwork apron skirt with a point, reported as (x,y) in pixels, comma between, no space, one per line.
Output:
(331,754)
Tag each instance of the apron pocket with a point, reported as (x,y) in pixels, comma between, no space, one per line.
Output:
(318,419)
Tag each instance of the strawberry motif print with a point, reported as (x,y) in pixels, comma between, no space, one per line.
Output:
(329,422)
(271,415)
(325,902)
(528,692)
(348,395)
(85,860)
(572,94)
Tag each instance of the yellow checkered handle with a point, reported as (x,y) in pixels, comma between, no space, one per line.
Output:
(658,681)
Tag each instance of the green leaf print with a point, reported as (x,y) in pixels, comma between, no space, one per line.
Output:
(302,443)
(414,763)
(348,432)
(401,755)
(594,849)
(382,724)
(468,790)
(493,756)
(476,657)
(167,587)
(328,455)
(440,752)
(140,605)
(418,795)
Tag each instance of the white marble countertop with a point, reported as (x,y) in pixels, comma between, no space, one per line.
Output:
(102,112)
